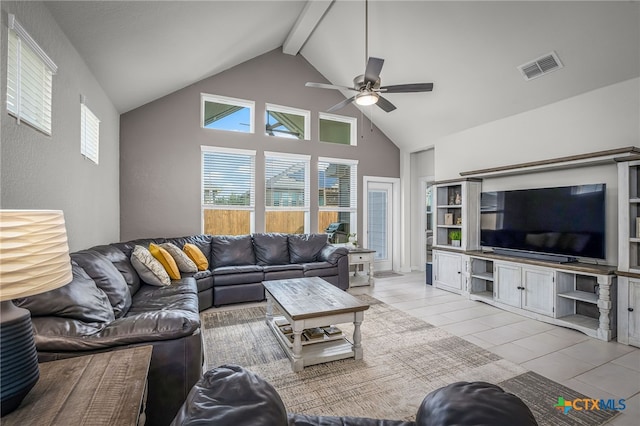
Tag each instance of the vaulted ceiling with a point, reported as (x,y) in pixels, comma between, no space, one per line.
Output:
(140,50)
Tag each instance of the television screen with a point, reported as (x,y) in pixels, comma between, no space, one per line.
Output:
(568,221)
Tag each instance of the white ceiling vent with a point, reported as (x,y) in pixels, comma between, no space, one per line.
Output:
(541,66)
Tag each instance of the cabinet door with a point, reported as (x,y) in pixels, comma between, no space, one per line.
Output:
(448,270)
(508,283)
(634,314)
(538,293)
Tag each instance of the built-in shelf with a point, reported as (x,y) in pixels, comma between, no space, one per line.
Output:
(581,321)
(580,295)
(487,276)
(483,295)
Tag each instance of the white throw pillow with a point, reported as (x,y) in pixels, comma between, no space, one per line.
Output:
(149,268)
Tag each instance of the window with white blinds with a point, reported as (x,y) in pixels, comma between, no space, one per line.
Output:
(337,193)
(29,78)
(228,190)
(287,192)
(89,134)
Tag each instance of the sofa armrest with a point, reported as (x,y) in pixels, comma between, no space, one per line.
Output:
(66,335)
(332,254)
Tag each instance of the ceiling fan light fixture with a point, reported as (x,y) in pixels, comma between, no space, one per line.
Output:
(366,98)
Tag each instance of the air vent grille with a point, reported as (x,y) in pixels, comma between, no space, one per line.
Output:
(538,67)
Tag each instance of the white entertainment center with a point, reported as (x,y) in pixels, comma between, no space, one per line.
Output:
(602,301)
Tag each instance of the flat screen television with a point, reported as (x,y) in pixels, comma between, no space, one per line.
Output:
(567,221)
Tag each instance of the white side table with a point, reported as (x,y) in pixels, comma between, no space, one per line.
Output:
(365,257)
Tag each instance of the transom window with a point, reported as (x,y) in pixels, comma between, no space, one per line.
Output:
(286,193)
(29,78)
(224,113)
(286,122)
(338,129)
(228,191)
(337,196)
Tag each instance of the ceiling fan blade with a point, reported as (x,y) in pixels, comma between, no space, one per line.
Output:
(372,73)
(407,88)
(327,86)
(385,104)
(341,104)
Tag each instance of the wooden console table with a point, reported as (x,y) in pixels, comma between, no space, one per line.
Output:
(108,389)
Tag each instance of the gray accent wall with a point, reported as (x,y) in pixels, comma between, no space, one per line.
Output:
(47,172)
(160,154)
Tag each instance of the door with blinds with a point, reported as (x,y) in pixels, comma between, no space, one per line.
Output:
(379,223)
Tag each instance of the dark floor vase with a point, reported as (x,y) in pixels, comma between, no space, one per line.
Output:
(18,357)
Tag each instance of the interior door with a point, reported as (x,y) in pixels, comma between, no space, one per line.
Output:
(379,221)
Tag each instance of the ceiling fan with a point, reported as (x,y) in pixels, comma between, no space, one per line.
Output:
(368,85)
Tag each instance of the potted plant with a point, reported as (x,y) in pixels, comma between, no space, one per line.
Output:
(455,236)
(353,240)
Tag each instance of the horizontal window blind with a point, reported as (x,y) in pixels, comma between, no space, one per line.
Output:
(228,178)
(29,78)
(287,181)
(337,185)
(89,134)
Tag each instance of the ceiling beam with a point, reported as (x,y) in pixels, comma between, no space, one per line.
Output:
(309,18)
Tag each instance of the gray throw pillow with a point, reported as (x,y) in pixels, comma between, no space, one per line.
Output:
(182,260)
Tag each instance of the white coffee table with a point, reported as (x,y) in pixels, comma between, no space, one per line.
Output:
(312,302)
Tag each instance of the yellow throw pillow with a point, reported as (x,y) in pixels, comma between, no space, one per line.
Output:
(166,260)
(197,256)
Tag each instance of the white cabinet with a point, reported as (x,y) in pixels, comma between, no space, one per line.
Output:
(577,296)
(525,287)
(448,271)
(629,311)
(508,284)
(538,292)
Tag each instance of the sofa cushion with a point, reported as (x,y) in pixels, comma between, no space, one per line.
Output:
(107,277)
(271,249)
(185,264)
(319,269)
(166,260)
(180,296)
(232,251)
(150,270)
(80,300)
(122,263)
(230,275)
(473,403)
(231,395)
(304,248)
(195,254)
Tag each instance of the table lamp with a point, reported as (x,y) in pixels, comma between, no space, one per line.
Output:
(34,258)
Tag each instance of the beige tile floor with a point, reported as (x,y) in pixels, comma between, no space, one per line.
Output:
(598,369)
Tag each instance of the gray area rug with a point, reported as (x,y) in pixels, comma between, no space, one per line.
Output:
(404,359)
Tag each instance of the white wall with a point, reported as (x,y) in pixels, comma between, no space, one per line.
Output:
(48,172)
(603,119)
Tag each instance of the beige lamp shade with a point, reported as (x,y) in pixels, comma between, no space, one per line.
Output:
(34,254)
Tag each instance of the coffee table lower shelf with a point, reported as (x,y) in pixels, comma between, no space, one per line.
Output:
(315,352)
